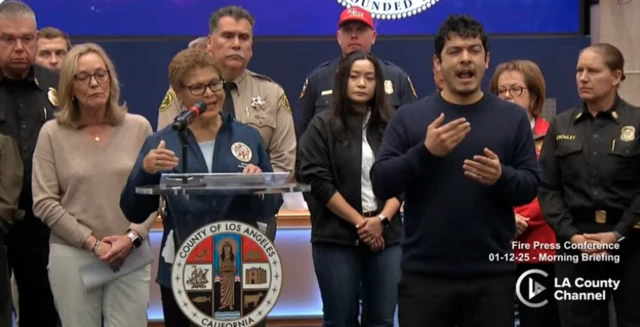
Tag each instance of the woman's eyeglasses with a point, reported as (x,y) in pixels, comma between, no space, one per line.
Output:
(201,89)
(101,76)
(515,91)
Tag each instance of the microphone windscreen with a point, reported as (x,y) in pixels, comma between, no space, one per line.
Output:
(201,106)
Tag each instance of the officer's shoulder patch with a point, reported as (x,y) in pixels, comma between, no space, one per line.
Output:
(284,102)
(168,100)
(304,88)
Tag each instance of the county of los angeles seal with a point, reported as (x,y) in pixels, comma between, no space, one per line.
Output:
(391,9)
(226,274)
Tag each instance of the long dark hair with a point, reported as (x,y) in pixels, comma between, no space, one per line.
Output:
(342,106)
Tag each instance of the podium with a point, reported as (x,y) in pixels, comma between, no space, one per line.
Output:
(226,272)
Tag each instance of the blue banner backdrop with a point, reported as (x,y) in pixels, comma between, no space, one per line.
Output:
(122,18)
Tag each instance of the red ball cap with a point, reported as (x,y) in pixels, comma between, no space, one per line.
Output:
(355,14)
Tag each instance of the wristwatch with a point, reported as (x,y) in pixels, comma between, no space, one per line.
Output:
(385,221)
(135,239)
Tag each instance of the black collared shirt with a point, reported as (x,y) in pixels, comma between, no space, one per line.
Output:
(591,164)
(25,105)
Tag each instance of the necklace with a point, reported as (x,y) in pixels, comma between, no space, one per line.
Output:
(96,135)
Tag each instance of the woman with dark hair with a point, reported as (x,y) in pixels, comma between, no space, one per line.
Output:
(590,195)
(355,237)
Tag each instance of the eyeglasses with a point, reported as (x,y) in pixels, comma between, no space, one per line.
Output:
(201,89)
(513,90)
(101,76)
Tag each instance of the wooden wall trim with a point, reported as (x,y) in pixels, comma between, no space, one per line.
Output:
(289,218)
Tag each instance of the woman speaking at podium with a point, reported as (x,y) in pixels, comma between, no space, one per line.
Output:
(216,144)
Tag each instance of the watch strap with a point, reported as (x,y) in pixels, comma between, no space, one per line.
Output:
(385,221)
(135,239)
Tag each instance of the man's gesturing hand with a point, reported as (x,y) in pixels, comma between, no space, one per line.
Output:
(484,169)
(442,139)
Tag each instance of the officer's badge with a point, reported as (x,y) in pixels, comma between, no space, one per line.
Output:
(257,103)
(285,102)
(388,87)
(53,96)
(304,88)
(169,97)
(241,151)
(628,133)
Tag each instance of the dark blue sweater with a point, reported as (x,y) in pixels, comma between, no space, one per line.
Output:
(453,223)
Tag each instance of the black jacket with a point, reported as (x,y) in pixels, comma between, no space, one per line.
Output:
(317,91)
(331,166)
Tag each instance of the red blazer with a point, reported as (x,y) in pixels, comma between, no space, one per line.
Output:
(538,229)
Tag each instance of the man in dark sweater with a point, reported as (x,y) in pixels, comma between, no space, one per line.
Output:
(461,182)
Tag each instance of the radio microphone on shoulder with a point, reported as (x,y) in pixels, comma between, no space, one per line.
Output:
(186,117)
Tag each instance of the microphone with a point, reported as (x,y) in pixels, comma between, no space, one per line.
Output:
(186,117)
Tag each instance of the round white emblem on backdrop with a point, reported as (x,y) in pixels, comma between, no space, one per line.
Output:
(391,9)
(226,274)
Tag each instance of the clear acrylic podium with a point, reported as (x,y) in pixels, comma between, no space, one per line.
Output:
(226,183)
(225,272)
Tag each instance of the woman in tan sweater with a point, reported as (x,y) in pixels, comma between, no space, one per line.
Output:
(80,166)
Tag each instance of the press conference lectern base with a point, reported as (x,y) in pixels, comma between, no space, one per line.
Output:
(226,272)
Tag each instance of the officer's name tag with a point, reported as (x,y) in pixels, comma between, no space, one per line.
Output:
(326,92)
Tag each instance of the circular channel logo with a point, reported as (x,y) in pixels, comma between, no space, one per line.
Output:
(391,9)
(533,288)
(227,274)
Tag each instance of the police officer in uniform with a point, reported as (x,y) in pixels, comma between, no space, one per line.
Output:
(252,98)
(355,32)
(590,194)
(28,98)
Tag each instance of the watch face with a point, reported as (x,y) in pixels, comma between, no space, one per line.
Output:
(135,239)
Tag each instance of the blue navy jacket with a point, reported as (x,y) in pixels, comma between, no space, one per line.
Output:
(317,91)
(185,216)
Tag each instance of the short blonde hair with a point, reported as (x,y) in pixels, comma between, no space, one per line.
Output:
(533,80)
(187,60)
(69,114)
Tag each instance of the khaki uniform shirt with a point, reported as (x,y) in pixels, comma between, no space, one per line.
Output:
(261,103)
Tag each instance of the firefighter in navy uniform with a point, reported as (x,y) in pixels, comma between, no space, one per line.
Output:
(355,32)
(28,98)
(590,194)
